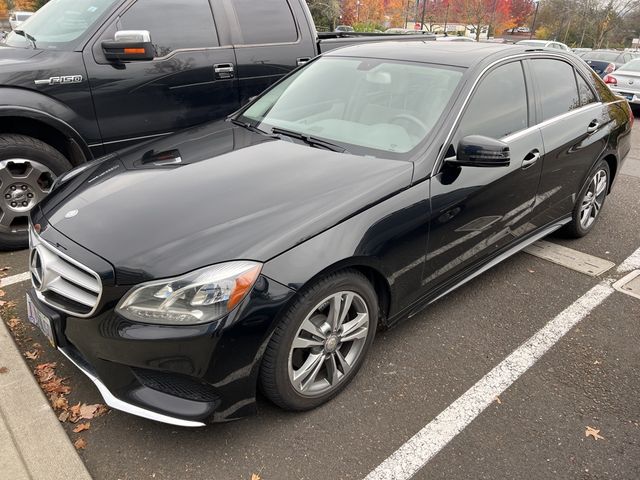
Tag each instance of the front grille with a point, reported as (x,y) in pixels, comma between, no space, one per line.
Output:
(176,385)
(62,282)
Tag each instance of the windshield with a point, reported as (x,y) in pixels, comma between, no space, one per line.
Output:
(21,17)
(632,66)
(606,56)
(368,106)
(59,24)
(532,43)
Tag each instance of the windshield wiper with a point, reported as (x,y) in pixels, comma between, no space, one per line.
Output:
(250,127)
(28,37)
(309,140)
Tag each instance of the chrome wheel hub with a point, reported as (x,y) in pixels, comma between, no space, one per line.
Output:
(23,183)
(328,343)
(593,199)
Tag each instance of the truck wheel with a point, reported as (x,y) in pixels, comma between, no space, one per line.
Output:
(28,168)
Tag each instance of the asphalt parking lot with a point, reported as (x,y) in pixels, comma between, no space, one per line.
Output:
(534,429)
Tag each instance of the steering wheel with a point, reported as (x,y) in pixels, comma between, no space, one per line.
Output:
(415,121)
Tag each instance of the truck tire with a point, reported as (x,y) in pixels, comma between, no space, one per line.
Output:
(28,168)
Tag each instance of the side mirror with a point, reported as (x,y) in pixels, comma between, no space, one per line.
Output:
(129,45)
(479,151)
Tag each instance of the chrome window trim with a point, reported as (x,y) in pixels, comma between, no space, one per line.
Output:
(34,241)
(521,56)
(551,121)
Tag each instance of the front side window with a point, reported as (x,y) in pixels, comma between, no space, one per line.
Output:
(265,21)
(190,25)
(557,87)
(373,107)
(59,24)
(499,105)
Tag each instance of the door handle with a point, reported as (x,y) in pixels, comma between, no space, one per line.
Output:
(593,126)
(531,159)
(303,61)
(224,70)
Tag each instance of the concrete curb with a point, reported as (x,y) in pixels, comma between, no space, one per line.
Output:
(33,444)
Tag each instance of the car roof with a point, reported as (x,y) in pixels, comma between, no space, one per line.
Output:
(461,54)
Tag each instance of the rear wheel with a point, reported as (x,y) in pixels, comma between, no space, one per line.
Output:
(321,342)
(590,202)
(28,168)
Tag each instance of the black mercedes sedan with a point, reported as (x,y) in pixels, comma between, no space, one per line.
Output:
(264,251)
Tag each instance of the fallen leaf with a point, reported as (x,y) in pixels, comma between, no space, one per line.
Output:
(3,370)
(64,416)
(32,355)
(58,402)
(592,432)
(92,411)
(4,269)
(82,427)
(13,323)
(2,303)
(2,293)
(498,400)
(597,362)
(80,444)
(255,476)
(531,271)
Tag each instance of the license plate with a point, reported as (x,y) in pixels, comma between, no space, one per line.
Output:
(40,320)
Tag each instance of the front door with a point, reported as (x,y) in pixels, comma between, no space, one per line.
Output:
(478,210)
(189,82)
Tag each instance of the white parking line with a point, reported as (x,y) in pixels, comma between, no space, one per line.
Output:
(21,277)
(424,445)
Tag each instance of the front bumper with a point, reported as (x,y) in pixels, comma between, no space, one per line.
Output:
(181,375)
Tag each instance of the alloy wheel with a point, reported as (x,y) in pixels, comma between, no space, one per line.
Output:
(328,343)
(23,183)
(593,199)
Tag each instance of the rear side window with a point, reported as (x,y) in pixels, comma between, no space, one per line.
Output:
(174,24)
(586,94)
(499,105)
(557,87)
(265,21)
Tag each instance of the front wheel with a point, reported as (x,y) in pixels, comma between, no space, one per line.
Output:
(28,168)
(321,341)
(590,202)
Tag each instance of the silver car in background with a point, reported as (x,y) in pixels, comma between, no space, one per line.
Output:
(625,81)
(18,18)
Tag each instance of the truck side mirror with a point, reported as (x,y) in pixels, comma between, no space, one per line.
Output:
(129,45)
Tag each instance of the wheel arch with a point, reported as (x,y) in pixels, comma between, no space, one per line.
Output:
(366,267)
(47,128)
(612,161)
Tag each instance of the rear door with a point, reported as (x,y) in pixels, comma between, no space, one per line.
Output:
(575,127)
(190,81)
(477,211)
(271,38)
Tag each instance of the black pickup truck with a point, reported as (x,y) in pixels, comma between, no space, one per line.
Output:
(82,78)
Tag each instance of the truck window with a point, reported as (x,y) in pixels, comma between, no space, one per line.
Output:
(265,21)
(174,24)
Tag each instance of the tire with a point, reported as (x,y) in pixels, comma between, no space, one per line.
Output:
(332,354)
(589,201)
(27,169)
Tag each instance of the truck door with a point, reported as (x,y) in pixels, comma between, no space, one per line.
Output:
(190,81)
(271,38)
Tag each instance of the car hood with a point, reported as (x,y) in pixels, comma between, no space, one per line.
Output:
(10,55)
(234,195)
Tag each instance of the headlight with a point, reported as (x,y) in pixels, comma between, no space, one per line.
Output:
(197,297)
